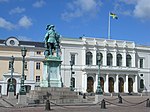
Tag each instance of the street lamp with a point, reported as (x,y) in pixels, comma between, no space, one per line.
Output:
(11,86)
(22,90)
(99,89)
(71,83)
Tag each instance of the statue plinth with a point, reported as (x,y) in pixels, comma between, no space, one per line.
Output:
(51,74)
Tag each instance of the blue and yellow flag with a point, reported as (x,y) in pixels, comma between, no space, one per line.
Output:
(114,16)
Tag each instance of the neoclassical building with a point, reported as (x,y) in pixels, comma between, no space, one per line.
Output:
(124,67)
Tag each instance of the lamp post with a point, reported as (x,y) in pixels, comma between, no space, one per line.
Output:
(22,90)
(11,86)
(99,89)
(71,83)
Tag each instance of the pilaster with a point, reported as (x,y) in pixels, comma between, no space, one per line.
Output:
(116,84)
(115,57)
(83,55)
(105,57)
(106,84)
(135,84)
(124,58)
(133,58)
(126,85)
(94,55)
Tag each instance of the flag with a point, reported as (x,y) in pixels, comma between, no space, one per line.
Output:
(114,16)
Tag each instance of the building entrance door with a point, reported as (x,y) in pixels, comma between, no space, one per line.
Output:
(102,83)
(130,85)
(121,85)
(90,83)
(14,83)
(111,84)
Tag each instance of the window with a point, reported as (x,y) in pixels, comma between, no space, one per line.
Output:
(37,78)
(38,52)
(128,61)
(9,65)
(141,63)
(38,65)
(141,75)
(141,83)
(25,66)
(73,58)
(12,42)
(119,60)
(73,82)
(97,58)
(25,77)
(109,59)
(89,58)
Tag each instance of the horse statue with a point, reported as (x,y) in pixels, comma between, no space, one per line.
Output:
(51,40)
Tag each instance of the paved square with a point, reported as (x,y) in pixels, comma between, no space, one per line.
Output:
(130,104)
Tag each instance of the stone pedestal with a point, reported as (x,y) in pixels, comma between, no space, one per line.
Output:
(11,95)
(98,98)
(22,100)
(51,73)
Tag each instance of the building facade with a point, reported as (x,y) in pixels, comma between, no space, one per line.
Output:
(124,67)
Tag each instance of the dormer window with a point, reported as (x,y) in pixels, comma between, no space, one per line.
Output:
(12,42)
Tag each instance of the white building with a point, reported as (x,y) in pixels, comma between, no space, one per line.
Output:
(124,67)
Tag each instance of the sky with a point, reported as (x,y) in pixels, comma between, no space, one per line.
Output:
(27,19)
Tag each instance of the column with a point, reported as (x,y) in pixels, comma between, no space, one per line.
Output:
(63,55)
(133,59)
(115,57)
(124,58)
(31,70)
(106,84)
(83,55)
(96,82)
(84,82)
(94,56)
(116,85)
(135,84)
(126,85)
(105,57)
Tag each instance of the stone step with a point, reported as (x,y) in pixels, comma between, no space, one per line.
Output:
(57,94)
(5,103)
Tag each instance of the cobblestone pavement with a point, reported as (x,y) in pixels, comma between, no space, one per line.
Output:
(130,104)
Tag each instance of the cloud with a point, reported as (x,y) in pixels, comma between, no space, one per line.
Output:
(25,22)
(119,9)
(39,4)
(129,1)
(17,10)
(142,9)
(6,24)
(81,8)
(4,0)
(24,38)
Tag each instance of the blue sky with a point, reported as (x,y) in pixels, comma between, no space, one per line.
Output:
(27,19)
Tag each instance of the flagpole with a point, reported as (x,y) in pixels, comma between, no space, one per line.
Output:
(109,26)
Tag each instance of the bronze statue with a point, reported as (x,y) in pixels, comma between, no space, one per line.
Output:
(51,40)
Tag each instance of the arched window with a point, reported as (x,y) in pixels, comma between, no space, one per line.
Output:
(89,57)
(128,61)
(119,60)
(73,82)
(141,83)
(97,58)
(109,59)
